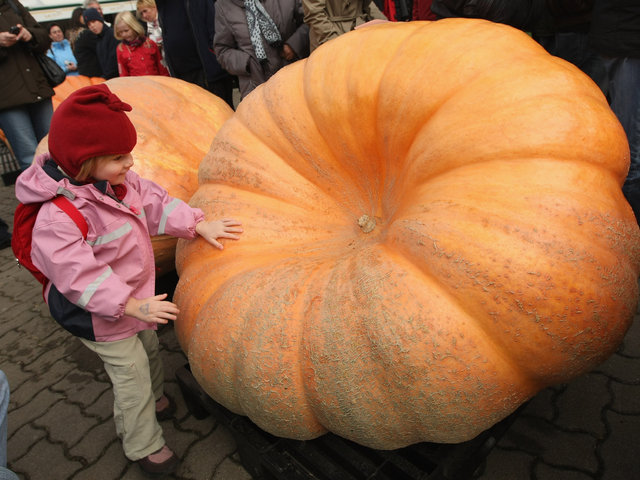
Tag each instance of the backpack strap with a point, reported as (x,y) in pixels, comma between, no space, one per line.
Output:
(69,208)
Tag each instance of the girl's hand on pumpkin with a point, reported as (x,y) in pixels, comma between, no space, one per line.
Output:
(152,309)
(225,228)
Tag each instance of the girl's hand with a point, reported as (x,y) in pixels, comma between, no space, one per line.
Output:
(213,230)
(152,309)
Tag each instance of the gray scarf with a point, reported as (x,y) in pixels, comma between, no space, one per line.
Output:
(261,25)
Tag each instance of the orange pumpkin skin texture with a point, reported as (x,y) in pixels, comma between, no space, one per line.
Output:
(501,256)
(70,85)
(175,122)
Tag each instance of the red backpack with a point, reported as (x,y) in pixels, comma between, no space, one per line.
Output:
(23,222)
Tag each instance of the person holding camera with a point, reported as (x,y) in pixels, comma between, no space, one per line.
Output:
(25,93)
(60,51)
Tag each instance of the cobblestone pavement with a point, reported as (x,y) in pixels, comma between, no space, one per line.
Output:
(61,425)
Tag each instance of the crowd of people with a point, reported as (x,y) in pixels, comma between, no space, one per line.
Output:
(211,44)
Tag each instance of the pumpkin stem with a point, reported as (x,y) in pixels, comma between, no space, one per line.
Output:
(366,223)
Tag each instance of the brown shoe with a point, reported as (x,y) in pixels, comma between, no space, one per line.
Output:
(159,463)
(168,411)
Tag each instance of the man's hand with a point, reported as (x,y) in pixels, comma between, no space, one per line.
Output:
(7,39)
(287,52)
(24,35)
(224,228)
(152,309)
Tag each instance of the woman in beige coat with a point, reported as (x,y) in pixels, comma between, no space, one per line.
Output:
(328,19)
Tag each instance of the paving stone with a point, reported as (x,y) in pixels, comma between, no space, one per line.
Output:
(23,394)
(21,348)
(15,374)
(619,451)
(110,466)
(94,443)
(65,423)
(230,470)
(172,362)
(177,440)
(32,410)
(134,473)
(626,398)
(86,360)
(553,445)
(203,458)
(60,346)
(172,389)
(622,369)
(201,427)
(547,472)
(43,327)
(507,465)
(46,457)
(581,404)
(22,440)
(80,387)
(14,321)
(103,406)
(169,341)
(542,405)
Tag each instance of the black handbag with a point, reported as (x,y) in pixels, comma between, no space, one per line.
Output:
(52,71)
(55,75)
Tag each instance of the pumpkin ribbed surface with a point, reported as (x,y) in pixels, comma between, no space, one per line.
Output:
(434,231)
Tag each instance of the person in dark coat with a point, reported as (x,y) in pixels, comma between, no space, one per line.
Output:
(522,14)
(84,49)
(615,35)
(188,28)
(106,48)
(567,31)
(282,38)
(25,93)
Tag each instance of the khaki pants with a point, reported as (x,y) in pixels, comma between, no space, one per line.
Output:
(137,374)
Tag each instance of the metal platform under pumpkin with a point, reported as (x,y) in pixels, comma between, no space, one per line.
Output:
(329,457)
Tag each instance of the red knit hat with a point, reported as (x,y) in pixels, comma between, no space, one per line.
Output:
(89,123)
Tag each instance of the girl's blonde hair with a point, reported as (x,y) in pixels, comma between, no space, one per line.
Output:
(89,166)
(140,4)
(129,20)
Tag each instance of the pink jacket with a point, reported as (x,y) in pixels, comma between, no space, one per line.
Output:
(91,281)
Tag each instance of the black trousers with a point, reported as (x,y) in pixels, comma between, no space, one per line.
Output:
(222,88)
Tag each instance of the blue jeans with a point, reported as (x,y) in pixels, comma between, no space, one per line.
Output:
(4,405)
(25,126)
(624,89)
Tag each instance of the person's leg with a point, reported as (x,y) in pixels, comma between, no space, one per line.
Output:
(5,474)
(624,78)
(573,47)
(4,406)
(5,236)
(41,113)
(127,365)
(149,341)
(17,126)
(224,89)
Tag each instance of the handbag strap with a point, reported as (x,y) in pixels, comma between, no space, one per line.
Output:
(15,8)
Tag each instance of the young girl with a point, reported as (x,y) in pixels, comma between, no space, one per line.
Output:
(102,289)
(137,54)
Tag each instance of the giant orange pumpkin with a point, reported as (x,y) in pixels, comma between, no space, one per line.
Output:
(434,231)
(175,122)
